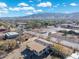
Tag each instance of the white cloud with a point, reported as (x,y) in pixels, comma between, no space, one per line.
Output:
(27,8)
(30,1)
(4,9)
(29,13)
(14,9)
(3,12)
(23,4)
(22,9)
(33,12)
(73,4)
(2,5)
(31,9)
(40,10)
(45,4)
(37,11)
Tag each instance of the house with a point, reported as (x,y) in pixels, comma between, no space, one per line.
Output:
(39,49)
(36,48)
(11,35)
(39,45)
(21,26)
(3,29)
(70,26)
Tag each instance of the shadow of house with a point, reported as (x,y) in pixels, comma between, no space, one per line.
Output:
(28,54)
(32,54)
(40,49)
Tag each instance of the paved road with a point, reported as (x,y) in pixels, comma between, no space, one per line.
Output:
(66,43)
(56,39)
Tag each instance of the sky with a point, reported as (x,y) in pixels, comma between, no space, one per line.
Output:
(14,8)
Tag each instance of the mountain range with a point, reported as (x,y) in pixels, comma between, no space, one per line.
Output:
(46,16)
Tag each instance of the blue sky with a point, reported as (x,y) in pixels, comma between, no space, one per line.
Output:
(11,8)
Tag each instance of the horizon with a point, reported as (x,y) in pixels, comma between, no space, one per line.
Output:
(12,8)
(39,14)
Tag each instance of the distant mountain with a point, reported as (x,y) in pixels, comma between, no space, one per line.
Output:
(40,16)
(55,16)
(47,16)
